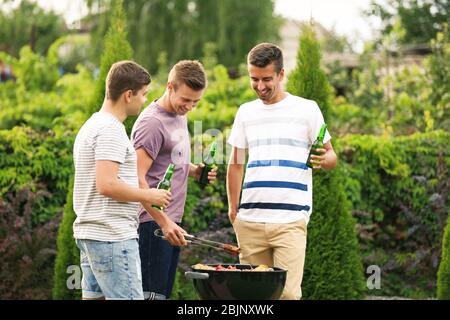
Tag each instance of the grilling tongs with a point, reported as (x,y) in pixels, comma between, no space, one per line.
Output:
(231,249)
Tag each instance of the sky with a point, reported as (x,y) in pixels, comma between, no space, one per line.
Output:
(344,16)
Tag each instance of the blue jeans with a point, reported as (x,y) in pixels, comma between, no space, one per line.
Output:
(110,269)
(159,261)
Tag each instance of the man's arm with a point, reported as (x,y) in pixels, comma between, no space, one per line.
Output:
(170,229)
(235,174)
(109,185)
(327,160)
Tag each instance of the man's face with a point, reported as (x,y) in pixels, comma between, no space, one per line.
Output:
(136,101)
(266,82)
(183,99)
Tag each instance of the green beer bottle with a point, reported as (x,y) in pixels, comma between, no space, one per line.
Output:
(210,163)
(318,144)
(166,181)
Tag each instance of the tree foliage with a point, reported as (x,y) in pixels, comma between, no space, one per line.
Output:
(181,28)
(443,283)
(308,79)
(116,48)
(421,20)
(333,267)
(418,98)
(28,24)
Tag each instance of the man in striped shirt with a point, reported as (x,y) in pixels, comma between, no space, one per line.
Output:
(106,190)
(278,130)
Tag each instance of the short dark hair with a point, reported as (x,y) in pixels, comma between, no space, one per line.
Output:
(189,72)
(125,75)
(264,54)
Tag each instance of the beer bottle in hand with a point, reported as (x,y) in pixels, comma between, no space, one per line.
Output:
(210,163)
(318,144)
(165,182)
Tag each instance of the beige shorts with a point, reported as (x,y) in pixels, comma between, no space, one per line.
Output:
(281,245)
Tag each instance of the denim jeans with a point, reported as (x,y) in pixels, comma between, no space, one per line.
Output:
(159,261)
(110,269)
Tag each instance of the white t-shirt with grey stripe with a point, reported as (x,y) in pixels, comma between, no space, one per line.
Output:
(103,137)
(277,185)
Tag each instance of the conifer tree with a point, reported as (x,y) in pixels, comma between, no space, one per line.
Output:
(333,266)
(67,256)
(443,277)
(116,48)
(182,27)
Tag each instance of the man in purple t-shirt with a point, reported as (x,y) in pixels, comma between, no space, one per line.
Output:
(160,137)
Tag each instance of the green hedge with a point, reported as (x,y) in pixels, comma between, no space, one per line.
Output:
(443,283)
(38,161)
(34,170)
(399,191)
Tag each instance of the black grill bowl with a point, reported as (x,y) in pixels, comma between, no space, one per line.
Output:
(238,285)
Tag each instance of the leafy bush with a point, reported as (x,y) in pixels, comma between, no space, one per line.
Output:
(27,249)
(443,283)
(71,50)
(333,267)
(52,104)
(387,99)
(68,253)
(438,69)
(36,160)
(399,191)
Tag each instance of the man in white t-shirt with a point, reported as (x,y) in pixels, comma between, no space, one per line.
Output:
(106,190)
(278,130)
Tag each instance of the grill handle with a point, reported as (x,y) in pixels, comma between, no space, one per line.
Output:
(196,275)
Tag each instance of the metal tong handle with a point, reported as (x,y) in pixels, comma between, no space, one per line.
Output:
(159,233)
(209,242)
(197,241)
(205,245)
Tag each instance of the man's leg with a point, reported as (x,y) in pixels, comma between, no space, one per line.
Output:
(289,253)
(116,267)
(90,290)
(144,252)
(255,249)
(157,256)
(172,270)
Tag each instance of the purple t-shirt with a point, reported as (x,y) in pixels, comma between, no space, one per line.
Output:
(165,137)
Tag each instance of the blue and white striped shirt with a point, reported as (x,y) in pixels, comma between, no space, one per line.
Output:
(277,186)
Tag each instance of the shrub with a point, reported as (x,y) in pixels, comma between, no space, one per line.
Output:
(116,48)
(399,189)
(333,267)
(443,283)
(68,253)
(36,161)
(27,249)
